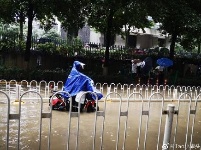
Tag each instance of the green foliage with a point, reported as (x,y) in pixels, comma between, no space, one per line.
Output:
(191,38)
(8,40)
(178,47)
(10,73)
(179,18)
(176,18)
(47,48)
(63,49)
(72,14)
(75,48)
(51,34)
(14,73)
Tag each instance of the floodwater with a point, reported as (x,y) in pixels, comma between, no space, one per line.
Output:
(105,138)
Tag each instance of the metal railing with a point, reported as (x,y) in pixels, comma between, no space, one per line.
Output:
(169,92)
(139,112)
(122,134)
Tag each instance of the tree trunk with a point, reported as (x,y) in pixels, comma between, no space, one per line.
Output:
(172,46)
(21,29)
(198,45)
(127,32)
(72,33)
(108,40)
(29,34)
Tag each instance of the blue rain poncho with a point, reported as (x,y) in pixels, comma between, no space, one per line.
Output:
(77,82)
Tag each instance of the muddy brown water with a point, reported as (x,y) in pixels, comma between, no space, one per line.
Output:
(29,131)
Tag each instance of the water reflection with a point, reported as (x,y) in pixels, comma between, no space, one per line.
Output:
(30,122)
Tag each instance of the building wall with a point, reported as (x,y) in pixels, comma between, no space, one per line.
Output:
(143,40)
(95,37)
(84,34)
(154,41)
(119,40)
(167,42)
(38,31)
(149,39)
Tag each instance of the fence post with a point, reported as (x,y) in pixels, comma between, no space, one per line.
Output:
(18,92)
(168,127)
(175,93)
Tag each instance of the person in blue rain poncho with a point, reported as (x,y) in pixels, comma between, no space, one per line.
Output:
(77,82)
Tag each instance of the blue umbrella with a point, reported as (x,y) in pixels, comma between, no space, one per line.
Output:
(165,62)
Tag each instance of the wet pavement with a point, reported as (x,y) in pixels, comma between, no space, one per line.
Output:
(104,139)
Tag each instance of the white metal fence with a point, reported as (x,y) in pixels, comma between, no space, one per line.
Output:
(147,117)
(169,92)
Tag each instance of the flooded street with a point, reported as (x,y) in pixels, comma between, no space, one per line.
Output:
(106,137)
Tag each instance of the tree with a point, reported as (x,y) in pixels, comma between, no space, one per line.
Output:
(191,38)
(174,17)
(18,10)
(134,16)
(8,34)
(104,17)
(40,10)
(110,16)
(195,5)
(13,12)
(72,15)
(7,13)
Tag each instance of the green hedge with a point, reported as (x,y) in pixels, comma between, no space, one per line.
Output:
(32,74)
(61,75)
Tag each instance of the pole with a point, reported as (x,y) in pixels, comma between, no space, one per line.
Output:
(168,127)
(18,90)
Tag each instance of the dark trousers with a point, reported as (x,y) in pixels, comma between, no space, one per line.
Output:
(161,78)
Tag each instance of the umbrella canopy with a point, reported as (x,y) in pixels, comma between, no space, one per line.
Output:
(165,62)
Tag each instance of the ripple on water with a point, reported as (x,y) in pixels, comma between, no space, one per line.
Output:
(29,125)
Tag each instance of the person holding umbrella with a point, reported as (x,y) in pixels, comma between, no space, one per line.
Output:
(163,63)
(161,74)
(133,68)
